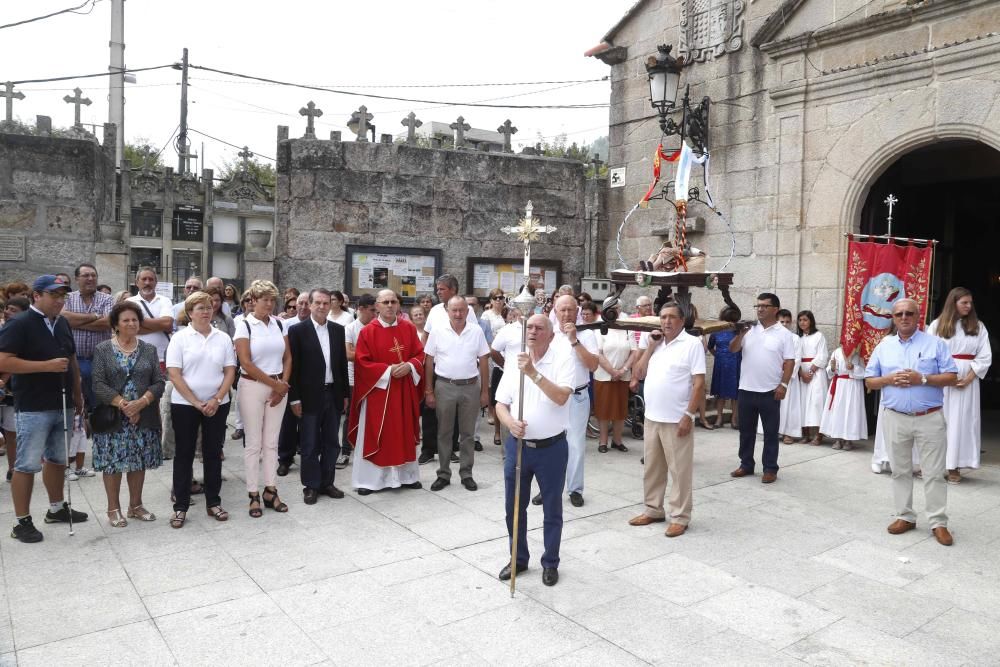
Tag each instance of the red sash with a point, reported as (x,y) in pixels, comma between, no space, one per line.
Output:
(807,359)
(966,357)
(833,388)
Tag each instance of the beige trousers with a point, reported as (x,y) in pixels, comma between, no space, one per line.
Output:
(927,434)
(261,424)
(665,453)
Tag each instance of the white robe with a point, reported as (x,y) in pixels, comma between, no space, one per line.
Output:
(790,410)
(814,392)
(844,413)
(962,410)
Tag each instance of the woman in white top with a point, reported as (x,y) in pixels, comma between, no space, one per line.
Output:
(338,313)
(844,417)
(812,374)
(265,364)
(496,317)
(969,344)
(201,365)
(616,353)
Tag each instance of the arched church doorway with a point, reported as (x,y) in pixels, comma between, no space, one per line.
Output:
(950,191)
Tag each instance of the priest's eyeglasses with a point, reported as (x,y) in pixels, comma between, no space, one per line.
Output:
(389,302)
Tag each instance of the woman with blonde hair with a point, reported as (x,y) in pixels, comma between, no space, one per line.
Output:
(265,365)
(969,344)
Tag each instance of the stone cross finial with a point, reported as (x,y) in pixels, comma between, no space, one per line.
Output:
(596,162)
(77,99)
(8,92)
(246,155)
(506,130)
(460,127)
(359,123)
(528,231)
(412,123)
(890,201)
(310,112)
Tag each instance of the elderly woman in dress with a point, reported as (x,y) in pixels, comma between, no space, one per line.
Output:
(127,375)
(201,365)
(969,343)
(265,365)
(617,353)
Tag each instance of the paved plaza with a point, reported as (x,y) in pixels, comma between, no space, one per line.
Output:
(799,571)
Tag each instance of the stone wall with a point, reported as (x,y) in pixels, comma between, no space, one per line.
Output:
(54,193)
(332,193)
(801,125)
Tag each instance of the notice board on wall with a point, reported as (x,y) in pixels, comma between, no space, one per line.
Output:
(407,271)
(486,273)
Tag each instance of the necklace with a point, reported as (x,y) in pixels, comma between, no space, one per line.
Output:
(121,348)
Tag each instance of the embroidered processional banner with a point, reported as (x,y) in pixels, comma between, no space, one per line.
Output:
(879,274)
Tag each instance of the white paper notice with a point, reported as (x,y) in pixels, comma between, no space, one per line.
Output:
(425,284)
(165,289)
(365,278)
(398,265)
(414,265)
(508,281)
(358,261)
(550,282)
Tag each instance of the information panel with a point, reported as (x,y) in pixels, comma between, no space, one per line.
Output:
(486,273)
(407,271)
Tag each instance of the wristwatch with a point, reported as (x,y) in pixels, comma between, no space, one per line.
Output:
(923,379)
(537,377)
(785,385)
(689,415)
(576,342)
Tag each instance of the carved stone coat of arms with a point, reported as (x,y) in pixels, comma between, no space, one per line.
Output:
(710,28)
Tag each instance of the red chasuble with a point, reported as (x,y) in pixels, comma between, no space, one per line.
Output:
(392,414)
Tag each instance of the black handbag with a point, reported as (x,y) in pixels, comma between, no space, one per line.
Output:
(108,418)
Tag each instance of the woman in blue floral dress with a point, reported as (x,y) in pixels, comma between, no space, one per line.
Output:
(127,376)
(726,369)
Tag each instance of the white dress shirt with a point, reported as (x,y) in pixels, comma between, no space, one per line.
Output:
(456,355)
(158,307)
(438,317)
(589,341)
(543,416)
(669,377)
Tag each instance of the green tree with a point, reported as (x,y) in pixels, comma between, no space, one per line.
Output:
(263,171)
(559,147)
(143,155)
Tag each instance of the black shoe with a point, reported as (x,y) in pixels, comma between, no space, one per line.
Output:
(414,485)
(469,483)
(577,499)
(550,576)
(505,572)
(62,516)
(283,469)
(26,532)
(309,496)
(440,483)
(333,492)
(10,475)
(237,434)
(342,461)
(537,500)
(454,458)
(364,492)
(478,446)
(425,457)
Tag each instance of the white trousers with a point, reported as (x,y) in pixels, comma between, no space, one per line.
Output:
(261,425)
(576,438)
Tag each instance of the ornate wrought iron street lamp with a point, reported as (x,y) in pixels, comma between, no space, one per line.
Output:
(664,72)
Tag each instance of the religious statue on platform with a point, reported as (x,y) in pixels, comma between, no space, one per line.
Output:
(669,259)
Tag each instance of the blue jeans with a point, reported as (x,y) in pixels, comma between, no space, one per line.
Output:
(576,437)
(549,467)
(40,434)
(754,404)
(87,383)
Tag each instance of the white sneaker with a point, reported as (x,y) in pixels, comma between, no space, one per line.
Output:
(877,468)
(70,475)
(84,472)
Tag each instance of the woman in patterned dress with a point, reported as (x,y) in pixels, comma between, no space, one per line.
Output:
(126,374)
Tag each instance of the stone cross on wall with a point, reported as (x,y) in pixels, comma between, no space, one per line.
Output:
(596,162)
(310,112)
(359,123)
(245,154)
(77,99)
(8,92)
(506,130)
(460,127)
(412,123)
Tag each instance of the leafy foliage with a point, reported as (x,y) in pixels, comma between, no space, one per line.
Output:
(143,155)
(263,171)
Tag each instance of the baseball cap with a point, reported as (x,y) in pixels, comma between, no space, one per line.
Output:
(48,283)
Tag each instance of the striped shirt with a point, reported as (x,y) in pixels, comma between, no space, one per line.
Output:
(100,304)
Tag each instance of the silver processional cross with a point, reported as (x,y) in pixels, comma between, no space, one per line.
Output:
(890,201)
(527,231)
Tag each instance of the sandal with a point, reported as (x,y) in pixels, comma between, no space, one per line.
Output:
(115,519)
(217,513)
(497,442)
(603,449)
(178,518)
(255,512)
(619,446)
(197,487)
(274,502)
(787,440)
(141,513)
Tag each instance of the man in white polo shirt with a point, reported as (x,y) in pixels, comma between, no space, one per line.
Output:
(158,317)
(549,374)
(768,360)
(456,361)
(673,366)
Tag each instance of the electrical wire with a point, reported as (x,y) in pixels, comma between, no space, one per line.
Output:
(91,76)
(228,143)
(399,99)
(71,10)
(167,142)
(421,85)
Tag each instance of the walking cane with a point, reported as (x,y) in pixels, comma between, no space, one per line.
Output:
(517,466)
(69,489)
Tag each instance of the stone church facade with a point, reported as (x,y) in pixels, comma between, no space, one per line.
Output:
(813,101)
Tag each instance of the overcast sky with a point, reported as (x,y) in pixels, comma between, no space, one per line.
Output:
(365,45)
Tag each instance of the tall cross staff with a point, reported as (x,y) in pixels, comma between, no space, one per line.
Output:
(890,201)
(527,231)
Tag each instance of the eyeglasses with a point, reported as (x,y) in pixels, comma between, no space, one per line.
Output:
(764,305)
(389,302)
(290,306)
(904,313)
(498,298)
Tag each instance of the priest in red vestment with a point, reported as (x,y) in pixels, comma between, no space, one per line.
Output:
(385,410)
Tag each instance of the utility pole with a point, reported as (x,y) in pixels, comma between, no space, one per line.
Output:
(116,81)
(183,145)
